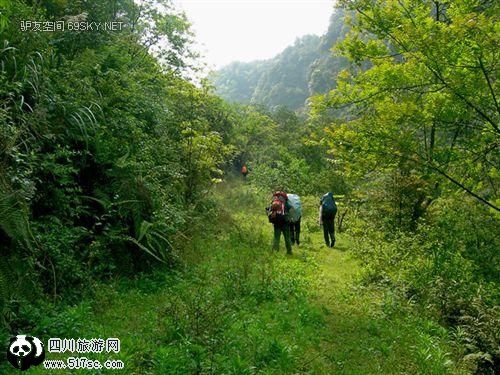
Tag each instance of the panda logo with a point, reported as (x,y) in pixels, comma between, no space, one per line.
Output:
(25,351)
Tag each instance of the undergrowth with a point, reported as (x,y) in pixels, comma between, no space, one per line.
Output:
(232,306)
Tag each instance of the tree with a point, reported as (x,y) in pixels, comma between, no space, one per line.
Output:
(421,97)
(103,144)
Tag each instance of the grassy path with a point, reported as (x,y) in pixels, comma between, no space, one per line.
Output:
(363,333)
(235,307)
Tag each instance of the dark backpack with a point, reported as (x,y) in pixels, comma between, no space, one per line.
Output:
(276,211)
(328,206)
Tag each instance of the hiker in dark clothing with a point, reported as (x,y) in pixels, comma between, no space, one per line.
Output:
(285,229)
(278,213)
(327,212)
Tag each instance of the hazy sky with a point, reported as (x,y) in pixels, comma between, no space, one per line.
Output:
(245,30)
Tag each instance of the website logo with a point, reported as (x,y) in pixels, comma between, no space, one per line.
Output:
(25,351)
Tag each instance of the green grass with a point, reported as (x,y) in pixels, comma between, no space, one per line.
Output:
(236,307)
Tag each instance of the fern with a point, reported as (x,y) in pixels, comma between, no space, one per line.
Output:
(7,283)
(14,217)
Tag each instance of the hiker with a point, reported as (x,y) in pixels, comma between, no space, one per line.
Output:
(278,214)
(295,216)
(244,171)
(327,212)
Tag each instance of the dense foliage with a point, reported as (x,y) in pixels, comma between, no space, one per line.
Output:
(104,148)
(278,148)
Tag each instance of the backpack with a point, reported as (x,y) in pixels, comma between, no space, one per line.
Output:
(328,206)
(296,210)
(244,169)
(276,211)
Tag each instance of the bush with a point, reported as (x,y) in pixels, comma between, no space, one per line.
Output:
(446,269)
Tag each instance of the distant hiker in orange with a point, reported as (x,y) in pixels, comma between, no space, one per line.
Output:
(244,171)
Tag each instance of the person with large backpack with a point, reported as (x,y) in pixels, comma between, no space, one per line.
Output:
(278,214)
(295,215)
(327,212)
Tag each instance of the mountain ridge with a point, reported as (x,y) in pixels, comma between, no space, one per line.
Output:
(305,68)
